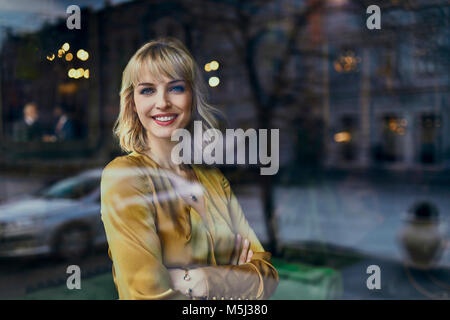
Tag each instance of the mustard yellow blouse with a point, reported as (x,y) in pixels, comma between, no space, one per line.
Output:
(150,229)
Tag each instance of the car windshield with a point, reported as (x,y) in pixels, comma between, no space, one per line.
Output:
(71,188)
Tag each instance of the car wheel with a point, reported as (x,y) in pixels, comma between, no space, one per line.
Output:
(73,242)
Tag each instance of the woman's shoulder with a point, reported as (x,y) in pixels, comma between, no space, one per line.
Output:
(126,166)
(120,161)
(127,174)
(131,160)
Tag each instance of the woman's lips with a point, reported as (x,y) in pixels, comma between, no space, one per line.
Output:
(165,120)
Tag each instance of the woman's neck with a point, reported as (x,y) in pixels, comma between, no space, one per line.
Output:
(160,150)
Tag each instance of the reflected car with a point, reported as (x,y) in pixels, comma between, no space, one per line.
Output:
(63,219)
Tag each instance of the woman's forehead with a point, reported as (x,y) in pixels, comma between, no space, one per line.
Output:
(146,76)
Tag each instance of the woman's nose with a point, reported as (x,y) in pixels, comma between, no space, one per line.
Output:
(161,101)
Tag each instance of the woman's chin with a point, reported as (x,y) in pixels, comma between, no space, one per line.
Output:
(162,133)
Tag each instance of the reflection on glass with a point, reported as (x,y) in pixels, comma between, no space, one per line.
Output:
(71,188)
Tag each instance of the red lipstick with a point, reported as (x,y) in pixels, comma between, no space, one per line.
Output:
(164,119)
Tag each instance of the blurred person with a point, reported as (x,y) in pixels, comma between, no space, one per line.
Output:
(29,128)
(165,240)
(63,129)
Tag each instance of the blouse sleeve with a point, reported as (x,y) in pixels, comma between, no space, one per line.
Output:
(128,216)
(257,279)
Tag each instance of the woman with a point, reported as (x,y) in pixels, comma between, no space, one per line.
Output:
(166,240)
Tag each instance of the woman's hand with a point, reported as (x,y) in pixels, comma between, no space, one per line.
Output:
(238,256)
(197,280)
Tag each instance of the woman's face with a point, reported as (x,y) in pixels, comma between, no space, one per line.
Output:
(162,106)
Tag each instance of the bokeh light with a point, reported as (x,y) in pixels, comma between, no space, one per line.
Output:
(214,65)
(83,55)
(213,81)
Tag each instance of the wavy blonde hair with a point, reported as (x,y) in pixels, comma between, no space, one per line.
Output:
(167,57)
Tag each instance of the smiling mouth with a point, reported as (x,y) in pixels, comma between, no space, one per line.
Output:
(165,120)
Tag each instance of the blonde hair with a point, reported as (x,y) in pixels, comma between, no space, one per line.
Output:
(167,57)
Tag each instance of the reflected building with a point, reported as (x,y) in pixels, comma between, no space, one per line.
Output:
(353,97)
(389,88)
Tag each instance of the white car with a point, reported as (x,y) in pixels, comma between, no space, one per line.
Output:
(63,219)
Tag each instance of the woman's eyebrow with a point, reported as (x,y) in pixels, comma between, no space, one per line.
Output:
(151,84)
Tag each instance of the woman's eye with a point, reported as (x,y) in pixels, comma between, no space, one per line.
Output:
(146,91)
(178,88)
